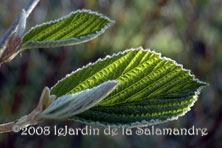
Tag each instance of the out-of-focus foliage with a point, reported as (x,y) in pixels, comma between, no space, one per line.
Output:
(189,32)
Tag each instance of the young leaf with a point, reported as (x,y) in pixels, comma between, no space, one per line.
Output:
(77,27)
(72,104)
(152,89)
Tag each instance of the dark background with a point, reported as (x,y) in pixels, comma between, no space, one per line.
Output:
(188,31)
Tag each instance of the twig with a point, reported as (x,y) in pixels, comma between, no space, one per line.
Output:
(12,29)
(31,119)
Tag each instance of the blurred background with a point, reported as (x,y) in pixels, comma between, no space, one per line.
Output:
(188,31)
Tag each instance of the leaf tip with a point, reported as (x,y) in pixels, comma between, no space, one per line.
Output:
(109,85)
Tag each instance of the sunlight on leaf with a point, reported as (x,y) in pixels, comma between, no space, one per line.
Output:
(152,89)
(77,27)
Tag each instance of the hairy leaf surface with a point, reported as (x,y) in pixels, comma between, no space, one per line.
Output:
(77,27)
(152,89)
(72,104)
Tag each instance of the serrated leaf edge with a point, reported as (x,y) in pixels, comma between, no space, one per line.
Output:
(71,41)
(144,122)
(128,50)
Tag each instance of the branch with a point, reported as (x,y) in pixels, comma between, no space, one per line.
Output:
(31,119)
(13,28)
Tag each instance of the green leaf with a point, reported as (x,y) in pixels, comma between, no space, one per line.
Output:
(77,27)
(152,89)
(72,104)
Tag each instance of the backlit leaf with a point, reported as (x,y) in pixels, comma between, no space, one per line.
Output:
(152,89)
(77,27)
